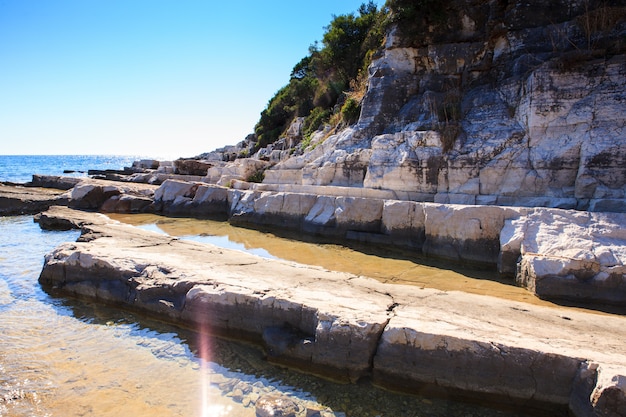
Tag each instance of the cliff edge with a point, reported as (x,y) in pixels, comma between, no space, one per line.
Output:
(486,102)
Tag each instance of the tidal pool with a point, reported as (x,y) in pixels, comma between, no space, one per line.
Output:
(387,265)
(66,357)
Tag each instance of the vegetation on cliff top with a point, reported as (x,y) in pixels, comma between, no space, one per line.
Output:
(330,81)
(328,85)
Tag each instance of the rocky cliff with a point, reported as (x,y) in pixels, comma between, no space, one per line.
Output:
(493,102)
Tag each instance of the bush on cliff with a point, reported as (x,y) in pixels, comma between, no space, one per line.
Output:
(319,82)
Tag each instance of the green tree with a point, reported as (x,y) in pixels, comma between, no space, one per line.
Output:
(322,78)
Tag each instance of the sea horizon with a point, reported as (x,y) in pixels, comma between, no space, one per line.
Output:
(21,168)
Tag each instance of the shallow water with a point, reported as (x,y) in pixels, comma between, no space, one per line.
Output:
(63,357)
(384,264)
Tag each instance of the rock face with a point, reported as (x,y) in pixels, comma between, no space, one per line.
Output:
(350,327)
(569,255)
(556,254)
(500,103)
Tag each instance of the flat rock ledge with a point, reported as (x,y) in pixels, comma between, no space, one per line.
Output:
(350,327)
(559,255)
(18,199)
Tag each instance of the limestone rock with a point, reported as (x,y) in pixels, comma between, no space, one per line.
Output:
(92,194)
(568,255)
(405,161)
(146,164)
(177,197)
(349,327)
(404,221)
(501,105)
(171,190)
(126,204)
(446,354)
(193,166)
(15,200)
(53,181)
(467,233)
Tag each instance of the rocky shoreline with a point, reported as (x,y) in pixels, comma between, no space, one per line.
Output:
(559,255)
(351,327)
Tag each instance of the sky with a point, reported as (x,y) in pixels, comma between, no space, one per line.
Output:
(158,78)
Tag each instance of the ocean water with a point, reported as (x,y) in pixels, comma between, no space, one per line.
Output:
(20,168)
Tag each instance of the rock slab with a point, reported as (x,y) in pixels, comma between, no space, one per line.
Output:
(350,327)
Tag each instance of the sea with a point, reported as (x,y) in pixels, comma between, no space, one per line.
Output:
(66,357)
(20,168)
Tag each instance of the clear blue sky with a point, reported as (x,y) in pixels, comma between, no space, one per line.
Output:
(146,77)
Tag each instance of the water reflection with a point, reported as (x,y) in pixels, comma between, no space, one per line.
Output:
(384,264)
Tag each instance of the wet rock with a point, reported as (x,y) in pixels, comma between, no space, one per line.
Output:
(275,405)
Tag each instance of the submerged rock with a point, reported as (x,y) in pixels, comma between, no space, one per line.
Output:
(276,405)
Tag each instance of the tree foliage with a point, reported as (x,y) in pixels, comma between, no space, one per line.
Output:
(319,82)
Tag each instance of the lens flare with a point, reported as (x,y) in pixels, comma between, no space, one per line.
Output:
(207,410)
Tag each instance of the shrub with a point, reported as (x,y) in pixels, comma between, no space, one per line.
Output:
(320,80)
(350,110)
(314,120)
(257,177)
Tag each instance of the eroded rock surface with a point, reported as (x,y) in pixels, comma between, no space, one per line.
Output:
(18,199)
(349,326)
(568,254)
(491,103)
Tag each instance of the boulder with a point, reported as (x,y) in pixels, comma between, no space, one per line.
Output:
(91,194)
(562,254)
(171,190)
(195,167)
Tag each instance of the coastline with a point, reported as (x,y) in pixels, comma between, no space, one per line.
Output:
(349,327)
(401,338)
